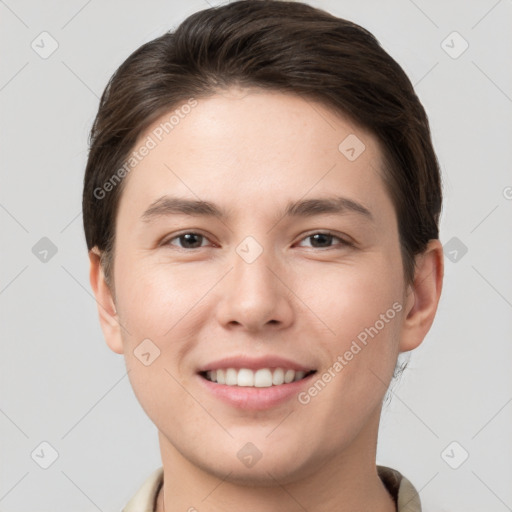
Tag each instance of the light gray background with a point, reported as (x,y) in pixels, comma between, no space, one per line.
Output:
(61,384)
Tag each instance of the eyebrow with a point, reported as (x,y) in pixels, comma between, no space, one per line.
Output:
(170,205)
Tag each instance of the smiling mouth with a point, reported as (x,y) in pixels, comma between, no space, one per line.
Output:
(261,378)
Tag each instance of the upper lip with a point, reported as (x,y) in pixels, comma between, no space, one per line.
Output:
(254,363)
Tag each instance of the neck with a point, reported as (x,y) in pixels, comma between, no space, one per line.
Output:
(342,483)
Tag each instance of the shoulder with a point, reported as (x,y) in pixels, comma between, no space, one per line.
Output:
(401,489)
(145,497)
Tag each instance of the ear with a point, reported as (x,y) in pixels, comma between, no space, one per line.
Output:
(422,296)
(106,306)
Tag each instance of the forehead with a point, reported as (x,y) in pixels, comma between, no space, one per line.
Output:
(249,148)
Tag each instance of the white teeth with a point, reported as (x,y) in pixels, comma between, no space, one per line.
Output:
(221,376)
(245,377)
(299,375)
(231,377)
(278,377)
(262,378)
(289,376)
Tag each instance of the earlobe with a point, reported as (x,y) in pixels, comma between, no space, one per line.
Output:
(105,302)
(423,296)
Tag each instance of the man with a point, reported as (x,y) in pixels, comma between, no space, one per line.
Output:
(261,207)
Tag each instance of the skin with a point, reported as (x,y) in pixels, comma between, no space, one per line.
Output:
(251,152)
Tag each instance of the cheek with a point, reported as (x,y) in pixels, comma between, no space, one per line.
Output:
(157,305)
(162,307)
(155,298)
(353,298)
(362,308)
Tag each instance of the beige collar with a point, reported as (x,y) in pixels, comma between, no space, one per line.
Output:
(402,491)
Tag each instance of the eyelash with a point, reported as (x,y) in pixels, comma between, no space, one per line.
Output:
(342,241)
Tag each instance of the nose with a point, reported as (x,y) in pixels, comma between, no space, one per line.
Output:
(255,296)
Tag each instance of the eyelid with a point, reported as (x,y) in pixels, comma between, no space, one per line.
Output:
(166,240)
(344,239)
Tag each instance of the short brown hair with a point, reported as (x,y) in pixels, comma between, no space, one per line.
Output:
(282,46)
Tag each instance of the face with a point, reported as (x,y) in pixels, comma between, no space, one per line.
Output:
(292,270)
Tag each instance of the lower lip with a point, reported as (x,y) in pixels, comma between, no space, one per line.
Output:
(255,398)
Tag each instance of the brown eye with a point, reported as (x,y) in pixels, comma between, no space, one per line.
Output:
(324,240)
(188,240)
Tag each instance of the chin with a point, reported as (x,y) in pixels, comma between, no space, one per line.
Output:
(261,475)
(271,467)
